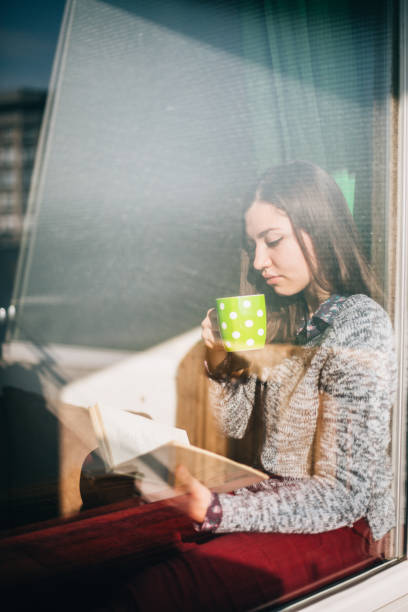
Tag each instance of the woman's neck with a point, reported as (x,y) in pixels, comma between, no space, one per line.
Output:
(314,297)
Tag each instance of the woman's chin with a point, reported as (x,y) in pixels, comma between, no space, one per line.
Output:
(282,291)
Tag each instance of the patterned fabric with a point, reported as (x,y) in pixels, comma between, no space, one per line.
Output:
(326,409)
(213,516)
(320,320)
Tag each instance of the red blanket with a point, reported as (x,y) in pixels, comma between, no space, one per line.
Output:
(149,557)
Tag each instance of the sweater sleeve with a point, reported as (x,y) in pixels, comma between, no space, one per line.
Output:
(233,401)
(356,392)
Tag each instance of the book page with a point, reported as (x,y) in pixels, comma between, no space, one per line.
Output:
(154,471)
(123,435)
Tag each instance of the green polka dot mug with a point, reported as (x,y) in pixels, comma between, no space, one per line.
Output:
(242,321)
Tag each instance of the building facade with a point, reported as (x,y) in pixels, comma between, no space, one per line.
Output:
(21,114)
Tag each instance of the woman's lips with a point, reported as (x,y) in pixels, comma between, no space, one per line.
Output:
(272,279)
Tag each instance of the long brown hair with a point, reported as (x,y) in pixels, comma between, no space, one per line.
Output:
(315,204)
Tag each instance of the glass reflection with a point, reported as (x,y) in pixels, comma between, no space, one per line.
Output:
(163,113)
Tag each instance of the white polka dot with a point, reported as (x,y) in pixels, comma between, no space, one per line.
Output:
(249,323)
(260,332)
(260,313)
(222,306)
(250,342)
(247,303)
(233,315)
(228,344)
(224,325)
(236,334)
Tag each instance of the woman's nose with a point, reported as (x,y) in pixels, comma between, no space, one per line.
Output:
(262,258)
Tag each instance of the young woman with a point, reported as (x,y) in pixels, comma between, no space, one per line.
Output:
(325,400)
(326,409)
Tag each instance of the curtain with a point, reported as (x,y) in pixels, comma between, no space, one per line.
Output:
(315,84)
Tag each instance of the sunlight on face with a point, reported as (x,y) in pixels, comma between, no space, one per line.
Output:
(278,255)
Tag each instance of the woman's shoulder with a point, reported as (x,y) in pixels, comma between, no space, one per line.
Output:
(360,317)
(361,303)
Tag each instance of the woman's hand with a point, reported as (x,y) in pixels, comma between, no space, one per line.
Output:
(212,340)
(196,498)
(210,331)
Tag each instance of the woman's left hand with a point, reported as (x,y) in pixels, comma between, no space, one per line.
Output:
(196,498)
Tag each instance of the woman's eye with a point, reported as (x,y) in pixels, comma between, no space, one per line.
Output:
(273,243)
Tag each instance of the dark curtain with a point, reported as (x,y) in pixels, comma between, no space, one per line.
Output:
(314,80)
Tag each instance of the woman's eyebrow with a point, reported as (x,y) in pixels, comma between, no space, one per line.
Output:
(262,234)
(265,232)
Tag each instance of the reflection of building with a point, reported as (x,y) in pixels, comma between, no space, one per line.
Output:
(21,114)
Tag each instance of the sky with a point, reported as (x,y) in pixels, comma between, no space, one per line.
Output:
(29,32)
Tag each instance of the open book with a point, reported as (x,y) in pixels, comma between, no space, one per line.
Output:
(149,452)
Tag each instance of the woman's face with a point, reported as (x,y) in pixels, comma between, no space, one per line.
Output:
(277,254)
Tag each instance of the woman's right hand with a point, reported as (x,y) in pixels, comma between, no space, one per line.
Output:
(210,331)
(211,336)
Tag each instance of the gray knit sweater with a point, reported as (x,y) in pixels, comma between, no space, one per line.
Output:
(326,412)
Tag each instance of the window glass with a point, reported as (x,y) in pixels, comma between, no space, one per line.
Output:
(31,132)
(28,152)
(6,201)
(146,207)
(10,223)
(8,177)
(7,154)
(6,132)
